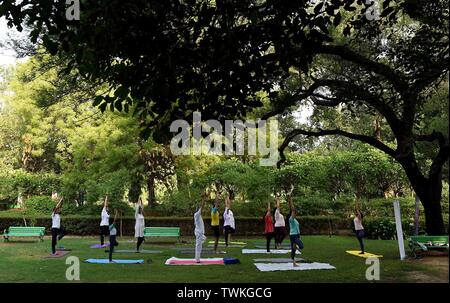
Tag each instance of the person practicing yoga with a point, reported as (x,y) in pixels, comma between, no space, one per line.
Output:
(294,233)
(228,221)
(280,225)
(57,230)
(268,227)
(359,229)
(112,237)
(140,224)
(104,223)
(199,228)
(215,221)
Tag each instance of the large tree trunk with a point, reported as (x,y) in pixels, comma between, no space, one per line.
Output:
(429,191)
(151,191)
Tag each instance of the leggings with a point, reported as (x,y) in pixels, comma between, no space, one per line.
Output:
(139,242)
(280,233)
(360,236)
(295,240)
(269,237)
(228,231)
(104,231)
(55,232)
(112,243)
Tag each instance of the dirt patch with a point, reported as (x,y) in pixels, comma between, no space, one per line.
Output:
(441,275)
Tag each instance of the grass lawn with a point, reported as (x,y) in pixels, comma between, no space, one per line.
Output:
(24,261)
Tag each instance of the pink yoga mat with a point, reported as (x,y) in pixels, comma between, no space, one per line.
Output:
(59,254)
(177,261)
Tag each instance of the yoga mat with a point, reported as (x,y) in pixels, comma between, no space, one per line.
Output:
(131,251)
(59,254)
(208,252)
(229,246)
(273,247)
(277,260)
(100,246)
(232,243)
(365,255)
(115,261)
(289,266)
(272,251)
(208,261)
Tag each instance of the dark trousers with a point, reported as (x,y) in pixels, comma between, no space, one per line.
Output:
(280,233)
(112,243)
(228,231)
(104,231)
(139,242)
(360,236)
(55,233)
(269,237)
(295,240)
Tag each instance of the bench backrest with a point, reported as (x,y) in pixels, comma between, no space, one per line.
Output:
(425,239)
(26,230)
(162,231)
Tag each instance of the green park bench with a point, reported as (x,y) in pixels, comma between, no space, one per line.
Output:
(421,244)
(22,231)
(162,232)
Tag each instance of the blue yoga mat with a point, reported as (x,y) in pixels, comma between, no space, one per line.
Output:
(106,261)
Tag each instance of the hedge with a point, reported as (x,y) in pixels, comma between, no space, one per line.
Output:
(245,226)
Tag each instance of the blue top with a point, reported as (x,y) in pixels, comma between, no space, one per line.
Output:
(214,209)
(294,226)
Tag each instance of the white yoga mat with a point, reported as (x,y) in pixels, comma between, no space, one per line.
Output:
(277,260)
(272,251)
(289,266)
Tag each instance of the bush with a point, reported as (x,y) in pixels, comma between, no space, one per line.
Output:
(39,205)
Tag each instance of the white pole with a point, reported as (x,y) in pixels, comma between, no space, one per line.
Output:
(398,223)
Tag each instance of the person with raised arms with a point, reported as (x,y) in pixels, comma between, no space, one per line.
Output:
(112,236)
(280,225)
(268,227)
(294,232)
(104,223)
(359,229)
(140,224)
(199,231)
(228,221)
(57,230)
(215,221)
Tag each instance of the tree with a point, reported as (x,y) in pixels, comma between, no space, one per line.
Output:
(389,69)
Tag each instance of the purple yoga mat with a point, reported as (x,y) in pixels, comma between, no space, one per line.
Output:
(100,246)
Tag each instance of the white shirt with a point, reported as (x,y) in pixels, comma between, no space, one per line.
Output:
(279,219)
(113,231)
(358,224)
(56,220)
(140,224)
(105,218)
(228,218)
(198,221)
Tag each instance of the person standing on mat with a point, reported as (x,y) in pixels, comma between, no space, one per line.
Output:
(215,221)
(359,229)
(294,232)
(140,224)
(228,221)
(112,237)
(280,225)
(104,223)
(199,229)
(268,227)
(57,230)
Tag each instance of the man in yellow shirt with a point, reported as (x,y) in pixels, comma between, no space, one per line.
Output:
(215,221)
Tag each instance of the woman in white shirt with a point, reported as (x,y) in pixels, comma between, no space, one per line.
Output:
(57,231)
(280,225)
(140,224)
(228,221)
(104,223)
(359,229)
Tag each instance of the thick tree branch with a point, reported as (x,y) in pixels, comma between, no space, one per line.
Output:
(442,155)
(363,138)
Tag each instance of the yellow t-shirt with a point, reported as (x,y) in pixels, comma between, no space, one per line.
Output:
(214,217)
